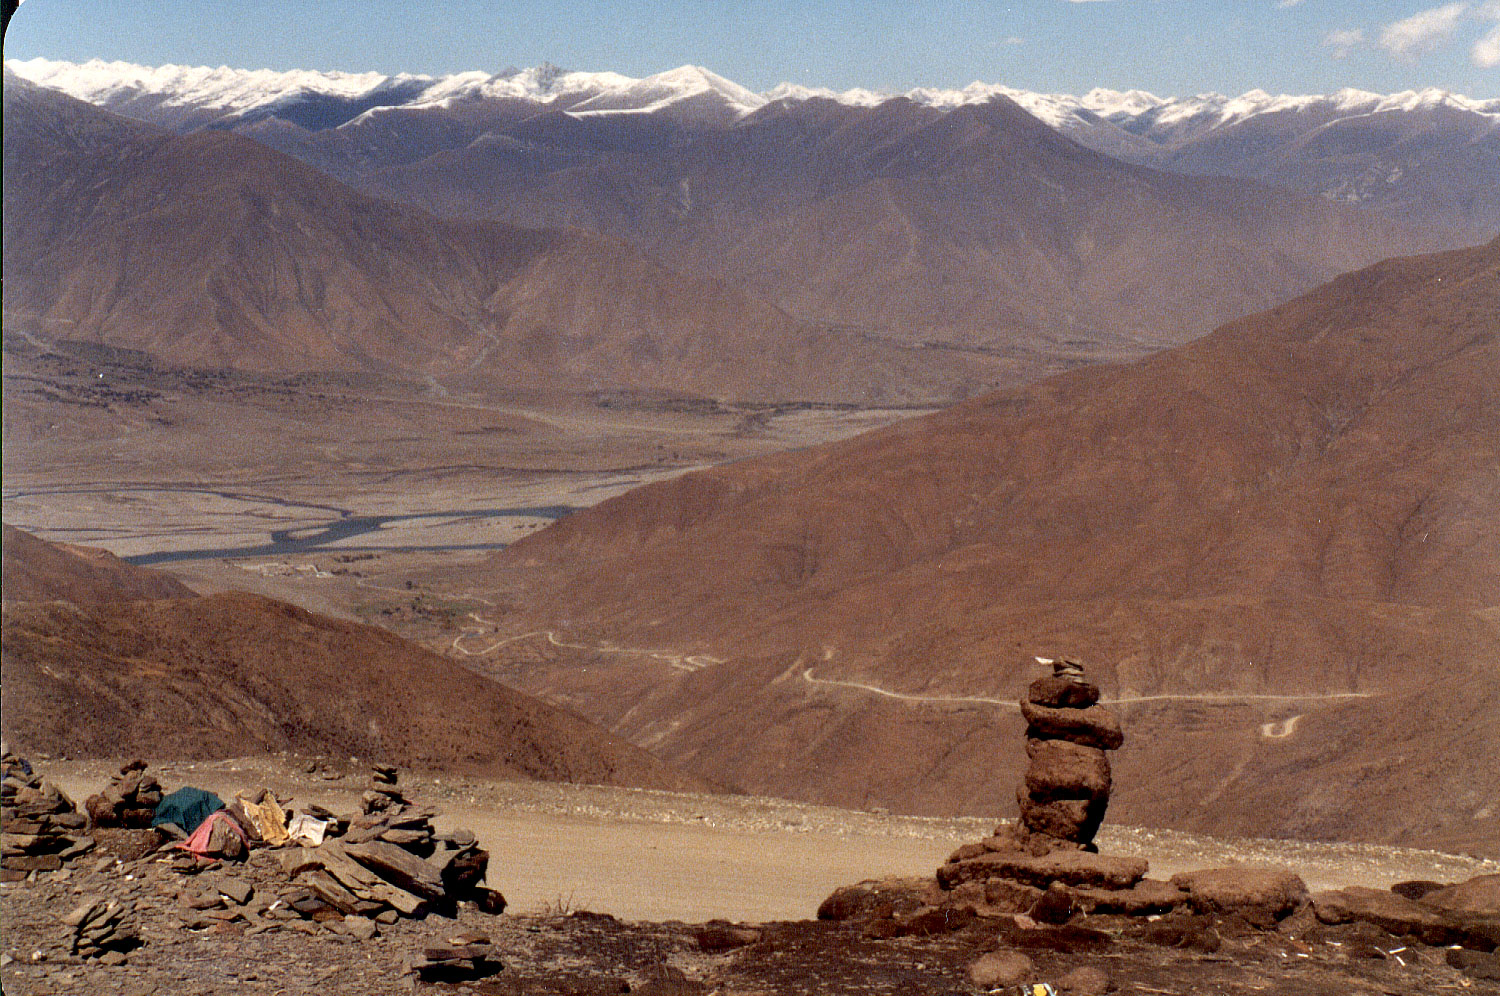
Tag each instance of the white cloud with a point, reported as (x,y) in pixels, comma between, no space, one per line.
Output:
(1486,51)
(1288,3)
(1341,43)
(1422,32)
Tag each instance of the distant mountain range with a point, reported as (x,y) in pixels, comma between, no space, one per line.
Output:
(212,250)
(1431,155)
(741,248)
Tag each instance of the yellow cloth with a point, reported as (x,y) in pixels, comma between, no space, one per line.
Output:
(266,816)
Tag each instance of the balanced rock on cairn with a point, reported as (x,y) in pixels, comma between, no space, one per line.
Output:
(1067,784)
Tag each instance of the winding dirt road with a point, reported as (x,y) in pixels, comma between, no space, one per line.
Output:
(1229,698)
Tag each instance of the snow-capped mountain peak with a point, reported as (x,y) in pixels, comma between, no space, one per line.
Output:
(690,92)
(187,97)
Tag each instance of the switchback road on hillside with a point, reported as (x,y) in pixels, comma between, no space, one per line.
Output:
(682,662)
(1230,698)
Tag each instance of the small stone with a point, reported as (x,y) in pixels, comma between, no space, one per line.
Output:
(1001,968)
(1474,964)
(1055,906)
(360,928)
(236,889)
(1086,980)
(718,938)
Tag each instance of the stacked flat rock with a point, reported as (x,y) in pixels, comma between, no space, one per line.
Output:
(129,800)
(1046,865)
(102,929)
(462,958)
(41,828)
(1066,788)
(390,861)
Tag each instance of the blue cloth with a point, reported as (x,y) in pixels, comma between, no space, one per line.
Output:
(187,807)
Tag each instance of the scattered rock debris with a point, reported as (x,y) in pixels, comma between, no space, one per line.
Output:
(136,920)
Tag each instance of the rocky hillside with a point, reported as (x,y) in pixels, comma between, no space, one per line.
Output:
(159,672)
(1271,544)
(35,570)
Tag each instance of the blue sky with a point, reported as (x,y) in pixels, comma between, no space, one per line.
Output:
(1167,46)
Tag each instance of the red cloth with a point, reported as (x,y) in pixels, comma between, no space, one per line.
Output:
(198,842)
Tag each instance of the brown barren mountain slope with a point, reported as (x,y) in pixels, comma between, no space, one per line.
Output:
(1304,504)
(211,250)
(32,570)
(235,674)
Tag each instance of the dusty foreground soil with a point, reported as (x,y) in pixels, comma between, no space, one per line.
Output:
(605,886)
(642,854)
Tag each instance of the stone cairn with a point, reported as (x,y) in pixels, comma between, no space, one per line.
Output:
(1066,789)
(41,828)
(103,929)
(1046,865)
(129,800)
(389,863)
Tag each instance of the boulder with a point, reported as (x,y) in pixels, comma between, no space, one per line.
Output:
(877,897)
(716,937)
(1477,895)
(1416,889)
(1261,895)
(1085,980)
(1384,909)
(1001,968)
(1193,933)
(1060,769)
(1011,897)
(1062,693)
(1146,898)
(1076,820)
(1474,964)
(935,920)
(1055,906)
(1095,726)
(1069,867)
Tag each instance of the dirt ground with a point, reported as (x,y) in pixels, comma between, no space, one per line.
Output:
(610,890)
(650,855)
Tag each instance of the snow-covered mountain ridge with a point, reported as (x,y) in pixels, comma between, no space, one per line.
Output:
(688,92)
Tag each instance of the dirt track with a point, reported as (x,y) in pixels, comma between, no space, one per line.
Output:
(645,855)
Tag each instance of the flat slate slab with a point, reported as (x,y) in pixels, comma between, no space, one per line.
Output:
(1100,871)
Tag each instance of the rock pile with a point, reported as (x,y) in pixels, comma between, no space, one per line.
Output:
(129,801)
(1066,788)
(391,862)
(102,929)
(465,957)
(41,828)
(1046,865)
